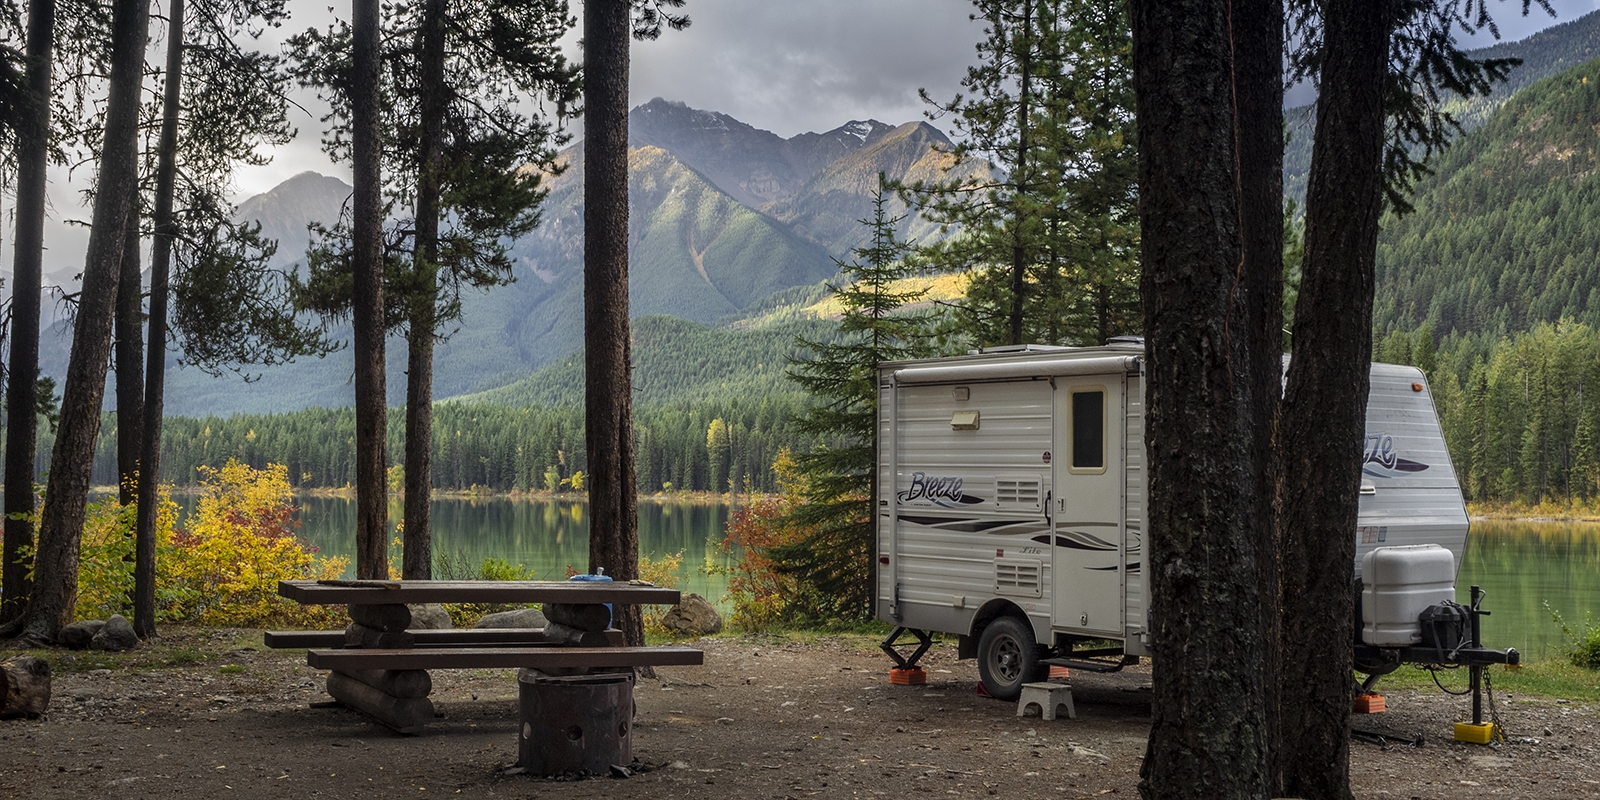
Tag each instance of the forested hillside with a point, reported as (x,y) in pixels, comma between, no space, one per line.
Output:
(1552,50)
(704,447)
(1521,413)
(678,362)
(1504,234)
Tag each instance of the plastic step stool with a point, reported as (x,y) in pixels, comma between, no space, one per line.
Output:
(1049,697)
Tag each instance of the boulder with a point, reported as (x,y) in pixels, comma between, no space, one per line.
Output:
(694,616)
(116,635)
(519,618)
(429,617)
(78,634)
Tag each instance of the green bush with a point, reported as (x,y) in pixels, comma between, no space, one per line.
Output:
(465,615)
(1583,646)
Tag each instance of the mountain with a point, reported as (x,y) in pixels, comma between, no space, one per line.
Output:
(724,218)
(676,362)
(753,166)
(696,254)
(1552,50)
(827,208)
(1503,236)
(284,210)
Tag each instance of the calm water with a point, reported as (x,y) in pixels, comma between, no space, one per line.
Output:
(543,535)
(1521,565)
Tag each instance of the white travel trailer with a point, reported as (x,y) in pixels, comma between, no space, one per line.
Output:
(1012,491)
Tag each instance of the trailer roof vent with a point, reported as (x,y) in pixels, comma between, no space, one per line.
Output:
(1017,492)
(1017,577)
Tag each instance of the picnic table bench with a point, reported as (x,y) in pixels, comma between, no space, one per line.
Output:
(379,666)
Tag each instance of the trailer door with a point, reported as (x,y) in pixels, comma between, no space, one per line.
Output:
(1087,506)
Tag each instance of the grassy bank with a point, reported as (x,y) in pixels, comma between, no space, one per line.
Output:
(1574,510)
(1551,679)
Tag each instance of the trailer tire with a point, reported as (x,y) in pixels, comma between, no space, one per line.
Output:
(1008,656)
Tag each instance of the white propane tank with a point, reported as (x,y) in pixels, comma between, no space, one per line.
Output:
(1398,584)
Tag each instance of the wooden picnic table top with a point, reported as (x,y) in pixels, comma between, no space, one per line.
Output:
(371,592)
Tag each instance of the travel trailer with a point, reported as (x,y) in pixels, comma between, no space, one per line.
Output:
(1011,503)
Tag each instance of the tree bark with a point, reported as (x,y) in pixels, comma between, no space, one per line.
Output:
(33,133)
(129,354)
(1019,252)
(372,523)
(61,524)
(1207,735)
(144,562)
(1258,70)
(417,562)
(1323,422)
(608,392)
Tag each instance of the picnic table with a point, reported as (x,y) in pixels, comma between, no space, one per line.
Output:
(379,666)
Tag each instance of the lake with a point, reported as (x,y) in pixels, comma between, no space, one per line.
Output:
(546,536)
(1521,565)
(1524,564)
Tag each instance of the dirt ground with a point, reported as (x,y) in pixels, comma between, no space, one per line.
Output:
(761,719)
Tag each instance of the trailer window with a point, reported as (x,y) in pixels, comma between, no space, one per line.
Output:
(1088,429)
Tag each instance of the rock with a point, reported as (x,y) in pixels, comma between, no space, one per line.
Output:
(694,616)
(116,635)
(429,617)
(520,618)
(78,635)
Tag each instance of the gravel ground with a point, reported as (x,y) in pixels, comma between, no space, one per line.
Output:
(761,719)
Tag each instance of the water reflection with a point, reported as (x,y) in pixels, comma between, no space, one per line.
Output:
(546,536)
(1523,565)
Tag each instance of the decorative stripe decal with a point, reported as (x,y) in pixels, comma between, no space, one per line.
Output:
(1004,527)
(1077,540)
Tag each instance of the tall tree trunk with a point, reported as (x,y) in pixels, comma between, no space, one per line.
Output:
(608,382)
(1323,423)
(372,503)
(144,561)
(129,355)
(423,295)
(1208,733)
(1258,70)
(33,133)
(1019,251)
(67,493)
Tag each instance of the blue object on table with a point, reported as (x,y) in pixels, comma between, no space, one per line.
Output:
(599,577)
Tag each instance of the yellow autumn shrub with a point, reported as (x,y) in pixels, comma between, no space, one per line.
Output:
(661,572)
(223,566)
(106,553)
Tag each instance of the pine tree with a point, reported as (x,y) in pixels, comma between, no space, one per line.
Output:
(835,561)
(465,168)
(1052,240)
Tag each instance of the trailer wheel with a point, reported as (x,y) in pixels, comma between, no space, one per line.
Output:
(1008,657)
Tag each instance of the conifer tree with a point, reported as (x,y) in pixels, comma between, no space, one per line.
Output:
(834,562)
(465,159)
(1052,239)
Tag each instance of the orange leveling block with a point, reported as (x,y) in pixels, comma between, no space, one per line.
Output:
(1369,704)
(908,676)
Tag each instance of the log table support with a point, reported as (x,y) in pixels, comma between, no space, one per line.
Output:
(396,698)
(381,670)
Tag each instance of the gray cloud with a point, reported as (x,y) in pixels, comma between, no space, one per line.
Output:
(796,67)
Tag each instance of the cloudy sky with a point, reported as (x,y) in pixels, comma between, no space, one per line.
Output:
(792,67)
(788,67)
